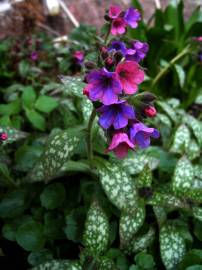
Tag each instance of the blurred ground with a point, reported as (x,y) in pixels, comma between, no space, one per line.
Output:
(30,16)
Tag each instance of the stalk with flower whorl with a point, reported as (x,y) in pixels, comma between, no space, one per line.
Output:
(111,88)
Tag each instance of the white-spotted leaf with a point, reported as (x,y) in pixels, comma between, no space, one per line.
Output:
(172,246)
(96,235)
(181,140)
(143,242)
(58,150)
(74,85)
(163,119)
(197,213)
(105,263)
(130,223)
(118,186)
(86,107)
(145,178)
(193,150)
(168,110)
(196,127)
(58,265)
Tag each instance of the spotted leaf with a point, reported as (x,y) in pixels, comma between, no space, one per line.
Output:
(168,110)
(193,150)
(196,127)
(144,241)
(58,265)
(86,107)
(145,178)
(58,150)
(105,263)
(172,246)
(197,213)
(13,134)
(74,85)
(130,223)
(181,140)
(96,235)
(118,186)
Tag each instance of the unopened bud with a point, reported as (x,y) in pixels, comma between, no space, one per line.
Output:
(90,65)
(107,18)
(117,57)
(3,136)
(109,62)
(150,111)
(104,52)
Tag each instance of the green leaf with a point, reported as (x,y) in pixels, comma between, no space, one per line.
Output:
(96,235)
(24,68)
(118,186)
(53,196)
(58,265)
(58,150)
(145,178)
(197,213)
(74,85)
(193,150)
(181,140)
(172,246)
(13,203)
(38,257)
(130,223)
(105,264)
(28,97)
(30,236)
(196,126)
(9,231)
(11,108)
(144,260)
(144,241)
(168,110)
(192,257)
(86,107)
(46,104)
(13,134)
(180,74)
(194,267)
(37,120)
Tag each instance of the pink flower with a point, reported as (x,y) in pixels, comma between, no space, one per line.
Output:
(198,39)
(86,90)
(114,11)
(79,56)
(150,111)
(118,26)
(120,144)
(130,75)
(3,136)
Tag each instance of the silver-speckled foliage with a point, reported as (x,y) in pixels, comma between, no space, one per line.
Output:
(13,134)
(197,213)
(74,85)
(58,150)
(168,110)
(58,265)
(130,223)
(118,186)
(183,177)
(96,235)
(181,140)
(86,107)
(196,127)
(105,264)
(144,241)
(193,150)
(172,246)
(145,178)
(134,163)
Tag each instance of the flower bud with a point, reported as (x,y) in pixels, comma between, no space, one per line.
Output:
(117,57)
(104,52)
(150,111)
(109,62)
(3,136)
(107,18)
(90,65)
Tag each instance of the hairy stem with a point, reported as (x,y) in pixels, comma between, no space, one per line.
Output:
(90,135)
(173,61)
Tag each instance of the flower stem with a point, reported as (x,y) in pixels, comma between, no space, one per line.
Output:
(107,35)
(173,61)
(90,135)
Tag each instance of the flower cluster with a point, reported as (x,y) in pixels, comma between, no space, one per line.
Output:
(111,88)
(121,19)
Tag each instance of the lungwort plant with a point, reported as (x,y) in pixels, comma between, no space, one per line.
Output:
(85,190)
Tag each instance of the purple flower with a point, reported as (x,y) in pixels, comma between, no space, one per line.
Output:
(78,56)
(34,56)
(120,144)
(132,16)
(140,134)
(116,115)
(103,86)
(138,51)
(117,45)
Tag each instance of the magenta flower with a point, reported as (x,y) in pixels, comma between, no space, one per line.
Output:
(103,86)
(120,144)
(79,56)
(130,75)
(3,136)
(116,115)
(114,11)
(118,26)
(198,38)
(138,51)
(34,56)
(132,16)
(140,134)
